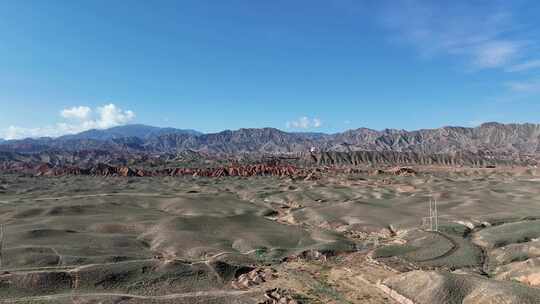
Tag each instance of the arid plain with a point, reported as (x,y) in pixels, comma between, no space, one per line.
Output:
(337,238)
(269,152)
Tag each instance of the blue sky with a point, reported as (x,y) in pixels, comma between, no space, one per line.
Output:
(328,66)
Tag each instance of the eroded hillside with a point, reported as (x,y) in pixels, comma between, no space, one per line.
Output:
(341,238)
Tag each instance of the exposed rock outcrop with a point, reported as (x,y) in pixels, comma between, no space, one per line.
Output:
(278,296)
(253,278)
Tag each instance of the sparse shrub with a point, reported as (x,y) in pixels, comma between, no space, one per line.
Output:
(393,250)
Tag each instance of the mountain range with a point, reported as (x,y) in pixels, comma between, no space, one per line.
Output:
(487,138)
(134,130)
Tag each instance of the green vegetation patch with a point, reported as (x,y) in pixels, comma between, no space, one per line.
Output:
(393,250)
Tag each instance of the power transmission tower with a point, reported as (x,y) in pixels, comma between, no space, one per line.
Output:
(436,215)
(430,214)
(433,217)
(1,242)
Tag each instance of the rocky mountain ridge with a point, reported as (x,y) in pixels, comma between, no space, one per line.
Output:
(132,130)
(489,138)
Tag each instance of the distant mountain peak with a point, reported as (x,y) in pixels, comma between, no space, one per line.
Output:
(132,130)
(490,124)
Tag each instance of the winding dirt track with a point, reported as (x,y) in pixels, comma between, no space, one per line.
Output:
(76,268)
(84,196)
(455,247)
(98,195)
(198,294)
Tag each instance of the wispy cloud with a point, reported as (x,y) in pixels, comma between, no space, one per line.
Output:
(475,122)
(472,30)
(78,119)
(528,86)
(525,66)
(495,53)
(304,123)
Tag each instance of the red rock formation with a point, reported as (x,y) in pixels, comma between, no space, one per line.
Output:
(43,169)
(403,171)
(124,171)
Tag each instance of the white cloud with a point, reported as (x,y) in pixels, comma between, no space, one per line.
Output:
(316,123)
(495,53)
(103,117)
(474,31)
(80,112)
(304,123)
(527,65)
(111,116)
(529,86)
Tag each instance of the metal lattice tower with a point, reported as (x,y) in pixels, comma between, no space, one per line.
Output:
(436,216)
(1,242)
(433,218)
(433,215)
